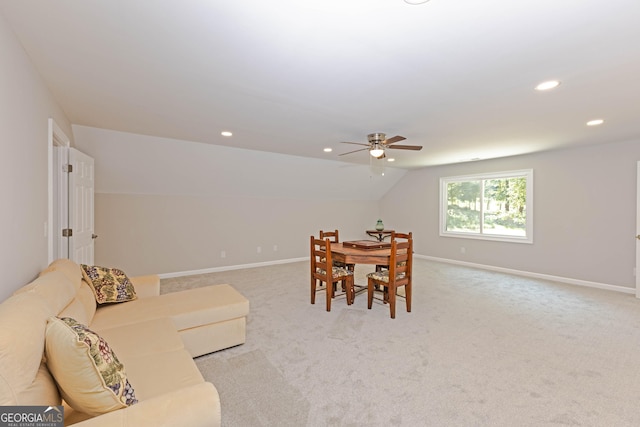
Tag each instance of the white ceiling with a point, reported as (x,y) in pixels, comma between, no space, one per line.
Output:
(294,77)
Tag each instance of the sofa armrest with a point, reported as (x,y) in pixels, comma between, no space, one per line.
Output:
(146,286)
(194,406)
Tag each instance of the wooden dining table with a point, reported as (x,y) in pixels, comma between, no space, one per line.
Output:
(346,253)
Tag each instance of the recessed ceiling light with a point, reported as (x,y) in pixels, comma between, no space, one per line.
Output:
(595,122)
(550,84)
(391,160)
(226,133)
(328,150)
(415,1)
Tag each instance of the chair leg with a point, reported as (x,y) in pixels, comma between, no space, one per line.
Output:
(349,289)
(407,292)
(353,289)
(329,295)
(392,300)
(369,293)
(313,290)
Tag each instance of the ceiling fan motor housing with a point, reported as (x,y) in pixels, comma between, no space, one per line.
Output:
(377,137)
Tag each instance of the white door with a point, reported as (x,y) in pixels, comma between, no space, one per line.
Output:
(81,189)
(637,270)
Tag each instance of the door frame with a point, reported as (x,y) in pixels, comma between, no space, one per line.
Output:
(58,197)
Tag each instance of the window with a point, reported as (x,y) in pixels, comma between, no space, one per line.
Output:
(496,206)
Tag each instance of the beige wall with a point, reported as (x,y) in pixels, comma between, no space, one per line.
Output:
(25,108)
(168,234)
(584,214)
(167,206)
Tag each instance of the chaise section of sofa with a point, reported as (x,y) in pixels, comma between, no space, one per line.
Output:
(155,337)
(208,319)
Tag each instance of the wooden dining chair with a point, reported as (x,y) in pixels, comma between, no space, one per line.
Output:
(323,271)
(399,274)
(395,235)
(405,236)
(334,236)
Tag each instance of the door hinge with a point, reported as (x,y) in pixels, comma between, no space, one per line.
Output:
(68,168)
(67,232)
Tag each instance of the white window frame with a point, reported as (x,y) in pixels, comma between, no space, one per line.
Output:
(526,173)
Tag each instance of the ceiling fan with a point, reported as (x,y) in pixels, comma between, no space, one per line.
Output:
(378,143)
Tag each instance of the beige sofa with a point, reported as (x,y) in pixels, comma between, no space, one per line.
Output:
(155,337)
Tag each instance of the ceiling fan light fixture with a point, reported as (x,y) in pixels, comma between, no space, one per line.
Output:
(377,151)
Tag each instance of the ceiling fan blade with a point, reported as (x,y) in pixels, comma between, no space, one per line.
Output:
(355,143)
(394,139)
(406,147)
(362,149)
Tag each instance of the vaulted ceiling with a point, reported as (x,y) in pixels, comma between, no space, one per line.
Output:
(296,77)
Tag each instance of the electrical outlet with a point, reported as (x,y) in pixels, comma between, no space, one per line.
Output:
(463,250)
(223,254)
(275,248)
(259,249)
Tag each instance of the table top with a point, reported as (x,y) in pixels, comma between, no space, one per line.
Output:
(350,255)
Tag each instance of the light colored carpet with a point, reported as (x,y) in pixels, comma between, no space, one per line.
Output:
(480,348)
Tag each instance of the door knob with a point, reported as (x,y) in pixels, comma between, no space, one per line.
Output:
(94,236)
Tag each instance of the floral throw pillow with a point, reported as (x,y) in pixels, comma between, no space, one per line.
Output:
(109,284)
(90,376)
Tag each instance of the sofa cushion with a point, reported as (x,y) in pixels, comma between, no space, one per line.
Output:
(23,319)
(82,307)
(67,267)
(159,335)
(54,287)
(197,405)
(162,373)
(146,286)
(187,309)
(43,390)
(109,284)
(90,376)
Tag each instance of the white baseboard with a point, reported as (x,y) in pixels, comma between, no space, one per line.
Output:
(568,280)
(560,279)
(230,267)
